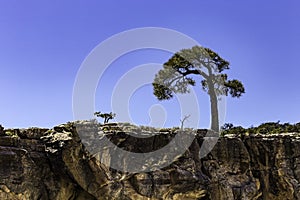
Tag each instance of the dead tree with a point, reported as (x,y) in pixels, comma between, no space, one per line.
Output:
(183,120)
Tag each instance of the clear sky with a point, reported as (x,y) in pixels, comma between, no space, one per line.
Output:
(43,43)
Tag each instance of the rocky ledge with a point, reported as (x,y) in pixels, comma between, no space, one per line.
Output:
(53,163)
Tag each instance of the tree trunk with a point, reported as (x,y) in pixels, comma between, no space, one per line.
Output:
(213,108)
(214,113)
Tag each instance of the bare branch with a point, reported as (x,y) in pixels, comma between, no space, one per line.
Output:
(183,120)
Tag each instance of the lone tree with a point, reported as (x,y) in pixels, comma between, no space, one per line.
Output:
(181,69)
(106,116)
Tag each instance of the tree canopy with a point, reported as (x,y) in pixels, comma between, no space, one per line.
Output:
(179,73)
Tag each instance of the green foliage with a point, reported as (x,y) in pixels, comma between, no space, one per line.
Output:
(227,126)
(106,116)
(234,87)
(162,92)
(265,128)
(174,77)
(179,71)
(230,129)
(11,132)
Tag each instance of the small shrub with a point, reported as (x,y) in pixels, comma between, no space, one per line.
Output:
(106,116)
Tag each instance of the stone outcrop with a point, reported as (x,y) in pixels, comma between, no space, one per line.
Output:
(54,164)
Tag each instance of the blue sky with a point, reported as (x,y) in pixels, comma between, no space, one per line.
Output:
(43,43)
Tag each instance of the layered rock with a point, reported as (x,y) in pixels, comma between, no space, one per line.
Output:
(56,164)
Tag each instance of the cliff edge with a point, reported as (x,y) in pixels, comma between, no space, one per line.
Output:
(38,163)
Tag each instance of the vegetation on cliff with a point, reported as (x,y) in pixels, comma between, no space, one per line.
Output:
(264,128)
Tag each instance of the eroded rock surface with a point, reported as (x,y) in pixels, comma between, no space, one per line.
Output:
(54,164)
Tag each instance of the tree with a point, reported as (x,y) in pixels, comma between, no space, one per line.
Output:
(179,72)
(106,116)
(183,120)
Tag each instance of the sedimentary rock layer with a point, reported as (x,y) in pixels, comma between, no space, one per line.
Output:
(54,164)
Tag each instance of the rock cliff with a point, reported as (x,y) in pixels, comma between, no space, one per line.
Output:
(53,163)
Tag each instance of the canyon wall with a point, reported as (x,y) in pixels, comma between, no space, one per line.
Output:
(38,163)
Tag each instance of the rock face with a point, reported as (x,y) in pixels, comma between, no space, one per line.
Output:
(54,164)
